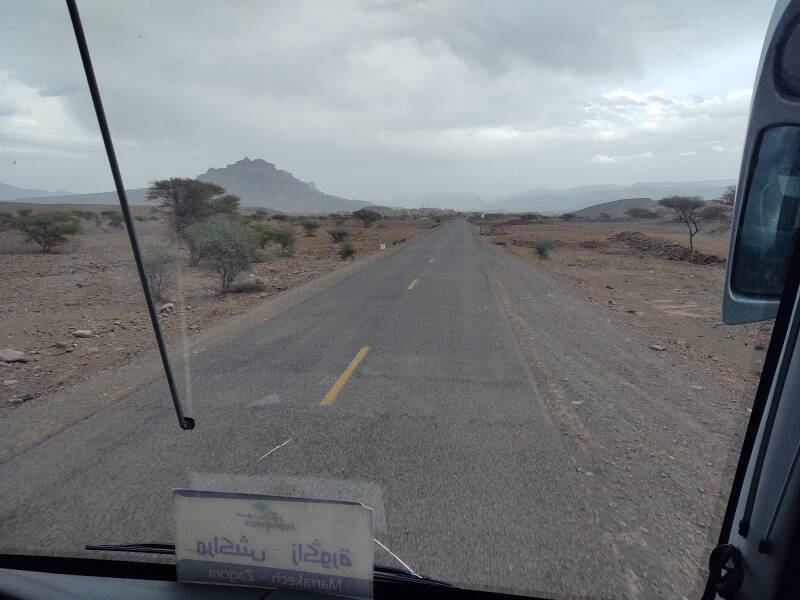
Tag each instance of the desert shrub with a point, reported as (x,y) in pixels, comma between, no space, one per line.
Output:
(284,237)
(543,247)
(567,217)
(259,256)
(6,220)
(338,218)
(247,285)
(225,245)
(338,235)
(159,264)
(347,250)
(140,218)
(366,216)
(114,218)
(280,217)
(48,229)
(310,226)
(24,212)
(262,233)
(641,213)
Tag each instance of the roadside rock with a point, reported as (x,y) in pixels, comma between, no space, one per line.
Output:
(165,308)
(82,333)
(11,355)
(657,348)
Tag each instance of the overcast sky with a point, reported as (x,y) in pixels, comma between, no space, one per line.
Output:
(381,99)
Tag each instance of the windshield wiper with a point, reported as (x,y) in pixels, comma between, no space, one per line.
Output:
(392,574)
(143,548)
(381,572)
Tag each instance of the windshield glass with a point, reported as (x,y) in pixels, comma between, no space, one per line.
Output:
(461,262)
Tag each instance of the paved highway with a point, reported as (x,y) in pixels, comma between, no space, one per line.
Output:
(488,413)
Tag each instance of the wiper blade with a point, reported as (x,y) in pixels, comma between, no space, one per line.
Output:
(392,574)
(381,572)
(143,548)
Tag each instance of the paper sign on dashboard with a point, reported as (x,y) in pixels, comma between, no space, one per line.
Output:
(323,546)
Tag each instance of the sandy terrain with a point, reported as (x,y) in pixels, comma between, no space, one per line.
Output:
(677,303)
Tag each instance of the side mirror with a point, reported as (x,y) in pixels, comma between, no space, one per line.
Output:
(766,219)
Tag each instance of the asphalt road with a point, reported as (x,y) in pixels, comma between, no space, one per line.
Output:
(495,423)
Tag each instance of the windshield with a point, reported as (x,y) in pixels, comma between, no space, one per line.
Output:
(461,262)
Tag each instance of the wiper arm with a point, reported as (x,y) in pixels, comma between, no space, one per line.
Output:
(143,548)
(381,572)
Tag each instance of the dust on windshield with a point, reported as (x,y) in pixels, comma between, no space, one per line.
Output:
(459,262)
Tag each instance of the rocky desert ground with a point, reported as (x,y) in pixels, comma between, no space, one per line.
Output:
(79,310)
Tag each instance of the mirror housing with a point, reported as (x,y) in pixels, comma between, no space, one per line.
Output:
(766,215)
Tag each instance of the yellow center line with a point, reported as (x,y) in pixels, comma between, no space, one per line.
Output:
(412,284)
(346,374)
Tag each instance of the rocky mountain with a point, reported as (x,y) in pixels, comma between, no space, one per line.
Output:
(261,184)
(572,199)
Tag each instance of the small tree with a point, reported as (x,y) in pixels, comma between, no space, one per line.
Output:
(280,217)
(158,266)
(310,226)
(689,211)
(366,216)
(260,215)
(226,204)
(567,217)
(262,233)
(338,235)
(284,236)
(48,229)
(338,218)
(191,201)
(225,244)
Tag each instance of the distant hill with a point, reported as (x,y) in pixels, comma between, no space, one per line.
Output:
(260,184)
(135,196)
(10,193)
(572,199)
(616,208)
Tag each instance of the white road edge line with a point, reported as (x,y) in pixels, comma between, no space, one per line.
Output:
(273,450)
(398,559)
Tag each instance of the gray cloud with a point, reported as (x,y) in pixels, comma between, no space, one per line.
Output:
(378,99)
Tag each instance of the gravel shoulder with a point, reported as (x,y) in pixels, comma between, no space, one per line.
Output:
(654,432)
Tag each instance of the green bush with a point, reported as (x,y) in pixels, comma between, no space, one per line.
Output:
(247,285)
(225,245)
(347,250)
(159,264)
(259,256)
(543,247)
(7,220)
(48,229)
(338,235)
(284,237)
(262,233)
(114,218)
(310,227)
